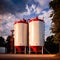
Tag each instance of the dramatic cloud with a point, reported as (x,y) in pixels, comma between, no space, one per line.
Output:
(12,10)
(12,6)
(43,3)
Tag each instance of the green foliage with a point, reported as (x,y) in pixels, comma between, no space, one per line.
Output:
(55,5)
(8,44)
(2,42)
(51,47)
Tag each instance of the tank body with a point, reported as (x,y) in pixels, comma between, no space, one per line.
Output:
(20,36)
(36,35)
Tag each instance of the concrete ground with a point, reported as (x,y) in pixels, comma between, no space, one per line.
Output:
(29,57)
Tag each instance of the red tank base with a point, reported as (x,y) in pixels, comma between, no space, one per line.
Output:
(35,49)
(20,49)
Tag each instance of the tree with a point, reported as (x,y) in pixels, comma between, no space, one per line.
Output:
(50,46)
(2,42)
(8,44)
(55,5)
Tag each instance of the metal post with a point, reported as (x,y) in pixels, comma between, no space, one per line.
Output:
(25,49)
(29,50)
(42,49)
(15,50)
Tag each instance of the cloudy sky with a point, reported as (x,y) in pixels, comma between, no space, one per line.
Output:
(12,10)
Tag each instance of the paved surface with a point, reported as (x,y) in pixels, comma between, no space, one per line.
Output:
(28,57)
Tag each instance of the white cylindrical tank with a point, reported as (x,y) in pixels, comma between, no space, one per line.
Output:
(20,36)
(36,34)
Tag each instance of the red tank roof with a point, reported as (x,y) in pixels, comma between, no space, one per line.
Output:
(36,19)
(21,21)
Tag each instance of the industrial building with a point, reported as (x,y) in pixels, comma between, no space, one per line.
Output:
(36,35)
(29,36)
(20,36)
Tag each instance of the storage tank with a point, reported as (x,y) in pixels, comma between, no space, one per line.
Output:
(20,36)
(36,35)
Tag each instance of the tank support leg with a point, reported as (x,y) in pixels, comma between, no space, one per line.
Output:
(29,50)
(25,50)
(42,49)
